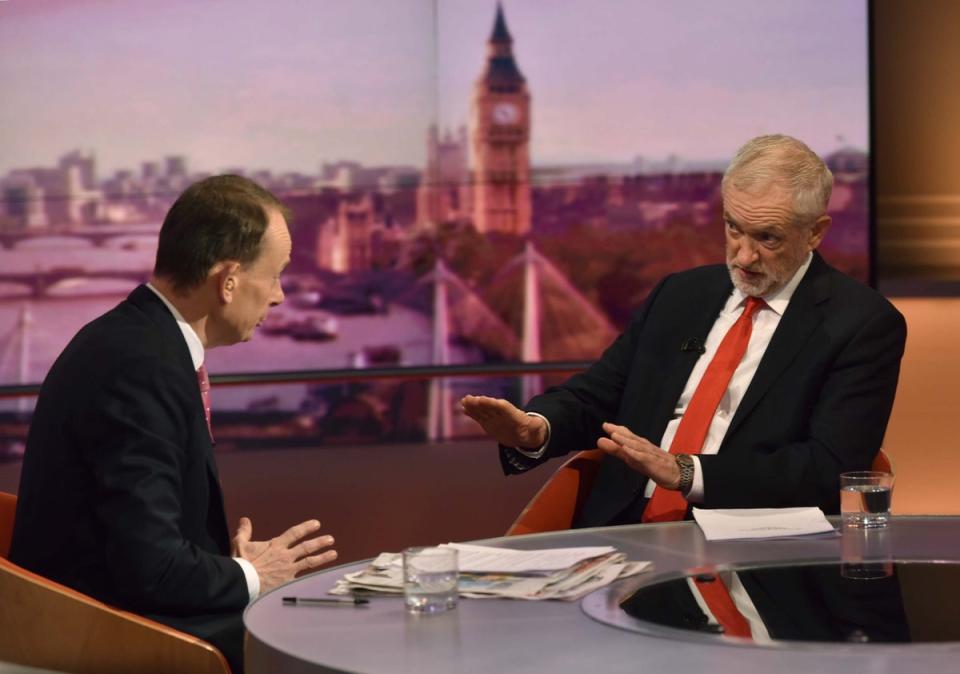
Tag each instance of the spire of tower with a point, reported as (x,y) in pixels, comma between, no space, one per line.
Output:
(500,32)
(501,70)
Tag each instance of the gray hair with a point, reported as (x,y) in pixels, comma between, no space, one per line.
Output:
(785,162)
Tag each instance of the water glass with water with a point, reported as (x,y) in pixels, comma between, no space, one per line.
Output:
(430,579)
(865,498)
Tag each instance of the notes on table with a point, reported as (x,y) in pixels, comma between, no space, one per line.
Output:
(758,523)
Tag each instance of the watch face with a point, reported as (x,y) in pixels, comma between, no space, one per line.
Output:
(505,113)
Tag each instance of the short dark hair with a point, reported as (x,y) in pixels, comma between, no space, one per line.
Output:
(218,218)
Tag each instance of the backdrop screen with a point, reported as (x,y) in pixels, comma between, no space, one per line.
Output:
(470,182)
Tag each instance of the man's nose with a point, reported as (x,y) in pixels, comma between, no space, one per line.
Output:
(747,252)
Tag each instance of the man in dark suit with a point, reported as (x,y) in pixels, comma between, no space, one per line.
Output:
(119,493)
(808,399)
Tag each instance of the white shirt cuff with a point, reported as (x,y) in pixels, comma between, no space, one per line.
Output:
(695,495)
(537,453)
(250,573)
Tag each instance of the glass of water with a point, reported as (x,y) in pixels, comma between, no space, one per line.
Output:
(430,579)
(865,499)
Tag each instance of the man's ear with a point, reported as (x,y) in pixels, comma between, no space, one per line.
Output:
(818,231)
(223,275)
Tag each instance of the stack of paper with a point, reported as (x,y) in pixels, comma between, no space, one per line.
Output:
(558,573)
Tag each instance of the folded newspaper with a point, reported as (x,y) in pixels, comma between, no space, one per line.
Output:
(486,572)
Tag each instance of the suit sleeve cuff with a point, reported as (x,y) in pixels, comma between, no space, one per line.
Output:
(253,579)
(536,453)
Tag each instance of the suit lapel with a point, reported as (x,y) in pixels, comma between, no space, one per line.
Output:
(799,321)
(698,328)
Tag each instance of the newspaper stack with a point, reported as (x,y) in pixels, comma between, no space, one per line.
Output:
(485,572)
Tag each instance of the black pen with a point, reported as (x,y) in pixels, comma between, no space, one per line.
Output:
(324,601)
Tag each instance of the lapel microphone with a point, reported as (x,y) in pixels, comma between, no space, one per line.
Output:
(692,344)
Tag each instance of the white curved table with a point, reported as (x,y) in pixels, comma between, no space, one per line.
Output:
(492,635)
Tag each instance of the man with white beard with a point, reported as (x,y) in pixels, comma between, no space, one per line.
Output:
(753,384)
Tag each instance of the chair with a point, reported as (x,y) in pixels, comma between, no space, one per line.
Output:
(882,463)
(8,508)
(46,624)
(556,505)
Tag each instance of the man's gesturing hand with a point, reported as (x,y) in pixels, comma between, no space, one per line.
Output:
(282,558)
(641,455)
(505,423)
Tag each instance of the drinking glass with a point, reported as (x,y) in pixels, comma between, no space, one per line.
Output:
(865,499)
(430,579)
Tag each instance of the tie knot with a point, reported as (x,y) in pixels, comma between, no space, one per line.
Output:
(754,304)
(203,379)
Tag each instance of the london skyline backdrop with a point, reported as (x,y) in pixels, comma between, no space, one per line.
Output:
(286,86)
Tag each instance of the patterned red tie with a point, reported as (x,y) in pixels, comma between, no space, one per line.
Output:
(667,505)
(204,382)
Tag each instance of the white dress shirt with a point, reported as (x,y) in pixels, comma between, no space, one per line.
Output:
(195,346)
(765,322)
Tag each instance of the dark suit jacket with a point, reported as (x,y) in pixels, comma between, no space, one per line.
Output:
(817,406)
(119,495)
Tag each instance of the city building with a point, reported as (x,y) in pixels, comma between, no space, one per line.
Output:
(500,140)
(444,194)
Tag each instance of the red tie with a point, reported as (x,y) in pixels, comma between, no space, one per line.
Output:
(667,505)
(204,381)
(718,599)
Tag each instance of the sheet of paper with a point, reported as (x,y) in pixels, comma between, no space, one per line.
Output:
(485,559)
(754,523)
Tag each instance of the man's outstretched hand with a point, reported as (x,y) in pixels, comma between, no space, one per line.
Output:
(505,423)
(641,455)
(281,559)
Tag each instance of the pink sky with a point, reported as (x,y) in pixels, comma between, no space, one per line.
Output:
(287,84)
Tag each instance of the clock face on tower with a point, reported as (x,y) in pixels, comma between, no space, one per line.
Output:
(505,113)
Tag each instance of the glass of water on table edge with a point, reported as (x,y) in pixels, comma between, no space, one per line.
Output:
(865,498)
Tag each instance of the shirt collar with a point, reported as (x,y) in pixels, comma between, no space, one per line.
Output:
(190,336)
(778,299)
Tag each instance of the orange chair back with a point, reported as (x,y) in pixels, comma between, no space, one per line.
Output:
(556,505)
(882,463)
(48,625)
(8,509)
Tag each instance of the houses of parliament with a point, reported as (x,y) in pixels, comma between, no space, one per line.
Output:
(479,177)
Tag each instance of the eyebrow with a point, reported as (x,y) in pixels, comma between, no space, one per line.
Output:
(765,229)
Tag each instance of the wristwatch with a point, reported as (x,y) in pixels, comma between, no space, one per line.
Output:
(685,464)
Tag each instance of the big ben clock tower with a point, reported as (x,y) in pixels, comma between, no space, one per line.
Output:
(500,139)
